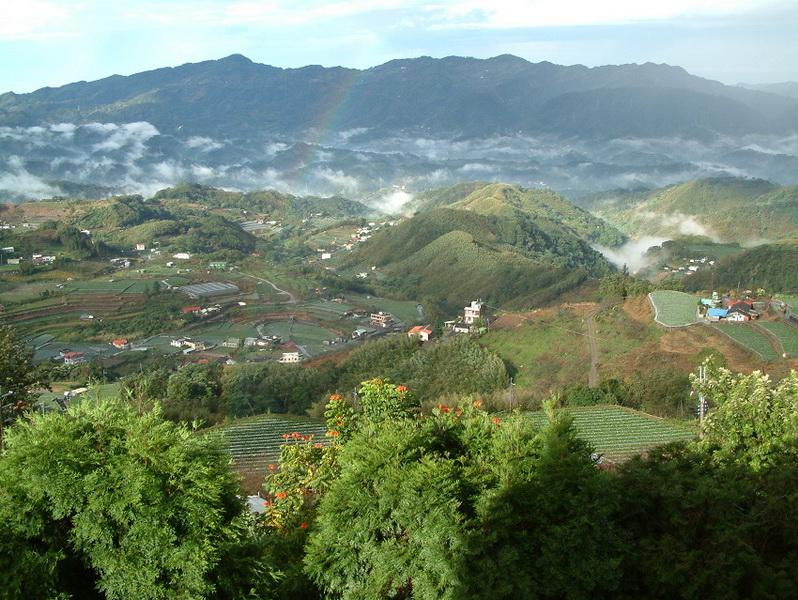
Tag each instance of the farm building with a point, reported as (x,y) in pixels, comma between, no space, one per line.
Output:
(473,312)
(289,358)
(208,290)
(716,314)
(74,358)
(422,332)
(381,319)
(232,342)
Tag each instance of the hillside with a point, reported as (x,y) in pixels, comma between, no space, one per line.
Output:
(498,243)
(726,208)
(773,267)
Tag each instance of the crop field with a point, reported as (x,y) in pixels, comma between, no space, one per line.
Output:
(674,309)
(218,332)
(308,335)
(405,310)
(787,335)
(255,442)
(748,337)
(25,292)
(620,433)
(117,286)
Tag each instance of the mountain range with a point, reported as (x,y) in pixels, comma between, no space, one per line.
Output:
(413,123)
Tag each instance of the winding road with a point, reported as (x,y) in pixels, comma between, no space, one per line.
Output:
(291,298)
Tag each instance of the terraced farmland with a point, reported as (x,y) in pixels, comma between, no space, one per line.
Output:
(620,433)
(674,309)
(748,337)
(255,442)
(786,334)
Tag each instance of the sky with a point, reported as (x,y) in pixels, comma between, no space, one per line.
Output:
(54,42)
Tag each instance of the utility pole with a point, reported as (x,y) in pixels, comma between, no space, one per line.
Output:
(702,401)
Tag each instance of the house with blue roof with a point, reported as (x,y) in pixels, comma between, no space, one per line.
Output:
(716,314)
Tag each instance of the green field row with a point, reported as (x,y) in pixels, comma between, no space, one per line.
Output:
(786,334)
(618,432)
(748,337)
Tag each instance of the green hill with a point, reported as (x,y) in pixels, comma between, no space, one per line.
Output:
(278,205)
(773,267)
(498,243)
(728,208)
(549,210)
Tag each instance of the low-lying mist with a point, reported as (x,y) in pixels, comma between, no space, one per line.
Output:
(56,159)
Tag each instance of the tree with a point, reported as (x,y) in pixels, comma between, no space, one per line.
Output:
(17,377)
(751,419)
(101,501)
(428,507)
(193,394)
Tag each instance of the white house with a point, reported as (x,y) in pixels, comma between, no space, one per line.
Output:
(473,312)
(289,357)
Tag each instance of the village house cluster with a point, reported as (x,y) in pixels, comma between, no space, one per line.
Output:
(731,310)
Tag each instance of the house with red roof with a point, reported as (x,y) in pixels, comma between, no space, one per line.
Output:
(422,332)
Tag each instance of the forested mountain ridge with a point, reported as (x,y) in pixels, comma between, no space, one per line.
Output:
(461,95)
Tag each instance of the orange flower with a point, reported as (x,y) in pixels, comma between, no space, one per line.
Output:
(317,445)
(401,388)
(496,420)
(281,495)
(272,466)
(333,433)
(335,397)
(443,408)
(285,436)
(478,404)
(303,525)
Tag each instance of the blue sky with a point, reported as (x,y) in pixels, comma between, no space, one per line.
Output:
(53,42)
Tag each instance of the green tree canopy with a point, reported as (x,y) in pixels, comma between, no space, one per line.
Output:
(102,501)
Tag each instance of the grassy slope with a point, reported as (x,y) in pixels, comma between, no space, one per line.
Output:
(735,209)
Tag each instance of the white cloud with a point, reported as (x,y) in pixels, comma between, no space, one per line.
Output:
(36,20)
(204,144)
(509,14)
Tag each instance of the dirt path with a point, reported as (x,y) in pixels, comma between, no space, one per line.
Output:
(590,324)
(291,298)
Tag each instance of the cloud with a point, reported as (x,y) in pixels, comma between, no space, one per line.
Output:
(514,14)
(36,20)
(204,144)
(20,183)
(392,202)
(632,253)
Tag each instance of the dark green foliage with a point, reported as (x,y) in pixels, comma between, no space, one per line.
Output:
(124,211)
(694,529)
(609,391)
(17,377)
(279,206)
(193,393)
(252,390)
(214,233)
(460,506)
(773,267)
(455,367)
(622,285)
(105,502)
(663,391)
